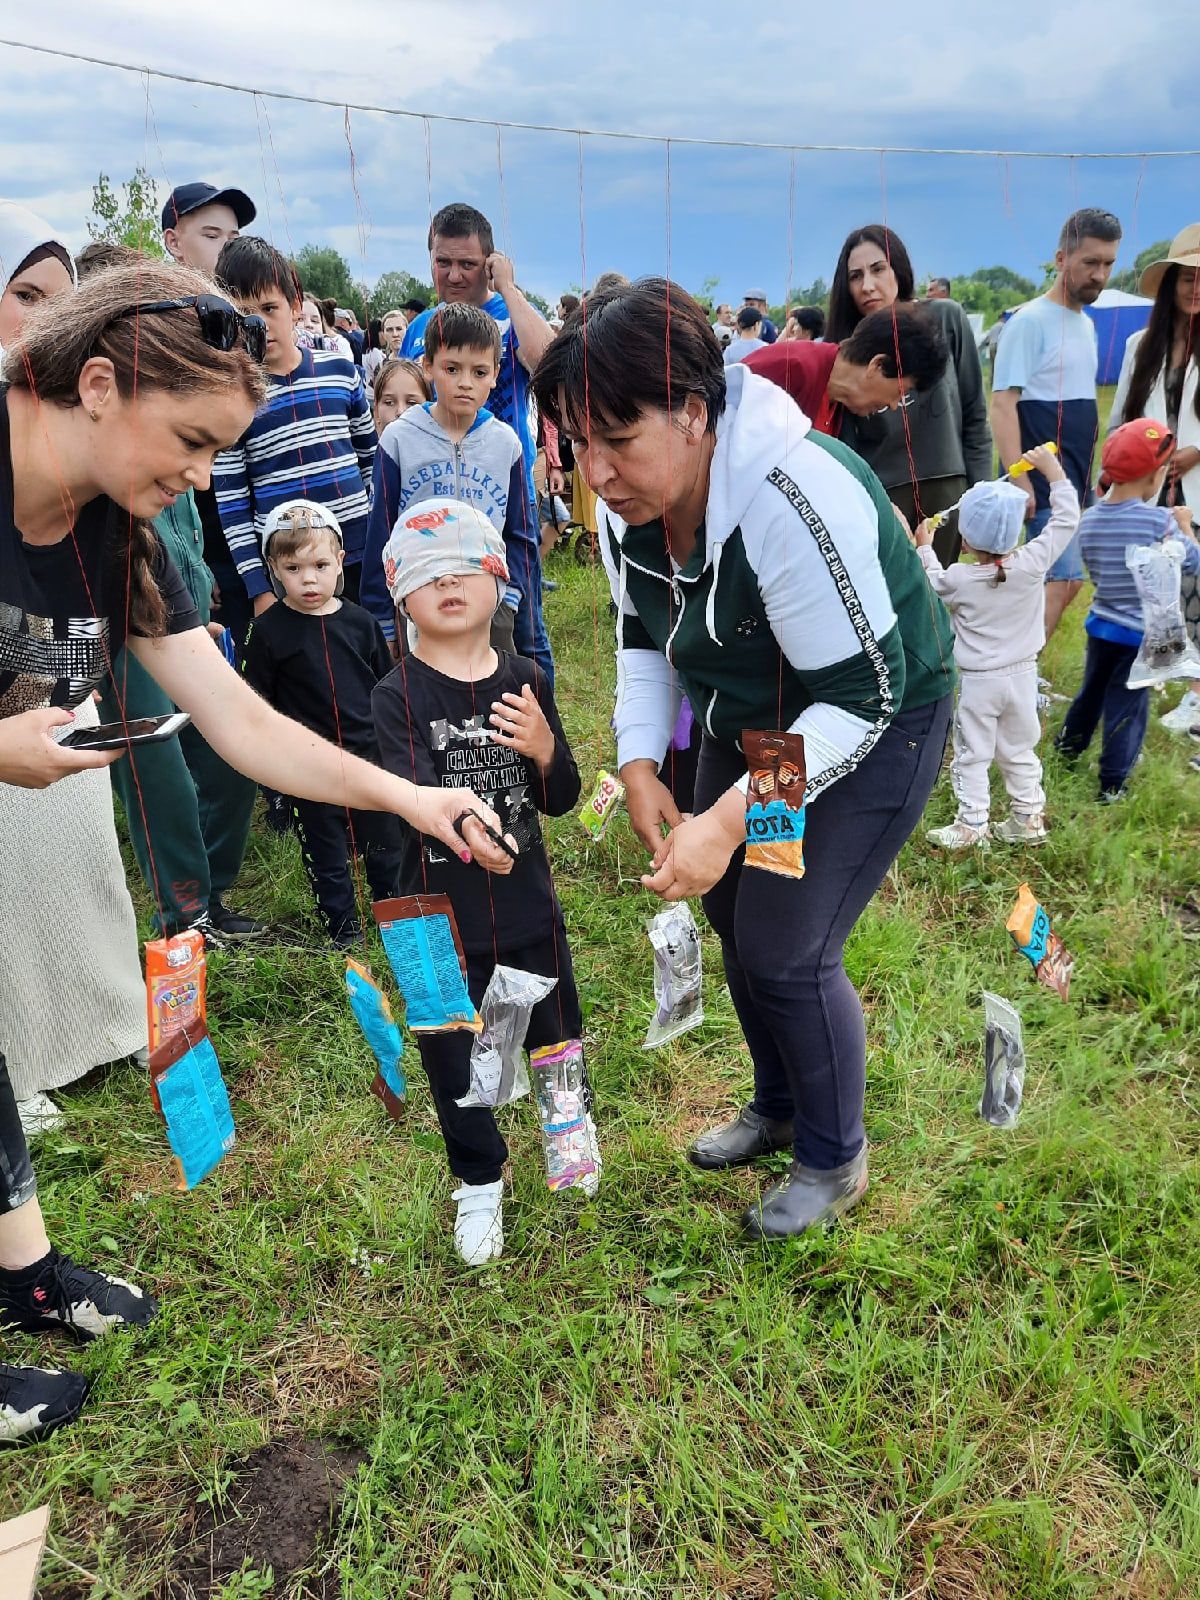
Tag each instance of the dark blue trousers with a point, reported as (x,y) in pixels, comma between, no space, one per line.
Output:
(1106,694)
(782,938)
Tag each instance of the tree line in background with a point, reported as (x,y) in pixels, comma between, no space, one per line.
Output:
(132,218)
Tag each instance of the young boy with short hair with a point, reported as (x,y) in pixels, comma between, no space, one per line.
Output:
(1134,465)
(453,447)
(317,658)
(457,710)
(313,439)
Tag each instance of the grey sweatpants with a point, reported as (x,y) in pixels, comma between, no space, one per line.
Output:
(997,720)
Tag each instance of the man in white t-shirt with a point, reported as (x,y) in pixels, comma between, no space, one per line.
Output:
(1044,385)
(746,339)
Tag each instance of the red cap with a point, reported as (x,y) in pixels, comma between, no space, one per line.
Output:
(1136,449)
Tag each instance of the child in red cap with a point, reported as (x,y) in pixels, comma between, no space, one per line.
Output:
(1133,468)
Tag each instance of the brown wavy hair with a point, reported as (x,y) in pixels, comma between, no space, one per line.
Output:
(161,352)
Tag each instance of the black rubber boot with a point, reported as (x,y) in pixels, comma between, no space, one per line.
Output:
(806,1196)
(740,1142)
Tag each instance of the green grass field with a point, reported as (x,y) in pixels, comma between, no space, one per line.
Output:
(984,1385)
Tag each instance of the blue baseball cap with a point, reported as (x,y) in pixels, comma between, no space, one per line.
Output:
(190,197)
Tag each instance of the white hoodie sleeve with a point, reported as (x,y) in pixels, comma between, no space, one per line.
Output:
(648,693)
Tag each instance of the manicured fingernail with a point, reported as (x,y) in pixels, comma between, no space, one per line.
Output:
(464,855)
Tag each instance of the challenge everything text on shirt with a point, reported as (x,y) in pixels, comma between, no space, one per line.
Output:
(437,730)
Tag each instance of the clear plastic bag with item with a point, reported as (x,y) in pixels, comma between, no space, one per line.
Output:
(678,988)
(1166,651)
(498,1072)
(1003,1063)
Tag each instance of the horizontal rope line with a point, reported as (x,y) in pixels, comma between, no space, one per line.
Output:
(601,133)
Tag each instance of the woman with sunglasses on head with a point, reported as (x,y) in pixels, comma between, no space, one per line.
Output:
(62,880)
(933,449)
(760,570)
(113,406)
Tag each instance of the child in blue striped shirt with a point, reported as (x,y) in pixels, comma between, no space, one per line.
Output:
(314,439)
(1134,466)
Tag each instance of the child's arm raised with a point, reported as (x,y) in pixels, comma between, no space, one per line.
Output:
(529,724)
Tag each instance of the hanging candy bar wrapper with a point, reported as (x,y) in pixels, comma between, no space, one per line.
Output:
(498,1072)
(374,1016)
(188,1089)
(568,1133)
(420,936)
(1033,936)
(1003,1063)
(602,804)
(775,802)
(1165,651)
(678,991)
(175,974)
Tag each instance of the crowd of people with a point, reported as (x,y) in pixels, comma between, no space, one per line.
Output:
(325,544)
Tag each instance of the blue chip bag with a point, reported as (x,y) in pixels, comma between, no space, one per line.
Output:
(420,936)
(374,1016)
(190,1092)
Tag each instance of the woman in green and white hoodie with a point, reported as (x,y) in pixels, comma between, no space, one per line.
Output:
(759,568)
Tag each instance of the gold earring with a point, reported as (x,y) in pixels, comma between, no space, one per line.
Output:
(95,416)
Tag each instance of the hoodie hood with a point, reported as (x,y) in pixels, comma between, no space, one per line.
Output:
(759,424)
(21,233)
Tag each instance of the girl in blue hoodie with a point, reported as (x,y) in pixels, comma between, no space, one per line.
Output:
(758,568)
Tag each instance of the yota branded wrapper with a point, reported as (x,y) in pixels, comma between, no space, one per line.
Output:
(1033,936)
(775,802)
(602,804)
(421,938)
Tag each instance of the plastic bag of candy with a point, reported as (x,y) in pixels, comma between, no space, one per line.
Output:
(568,1132)
(1165,651)
(188,1089)
(374,1016)
(775,801)
(1033,936)
(1003,1063)
(498,1072)
(175,981)
(421,939)
(678,971)
(602,805)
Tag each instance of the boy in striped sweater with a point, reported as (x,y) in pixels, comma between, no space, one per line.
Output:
(1133,469)
(314,439)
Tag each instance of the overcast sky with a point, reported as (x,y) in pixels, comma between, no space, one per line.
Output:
(1017,76)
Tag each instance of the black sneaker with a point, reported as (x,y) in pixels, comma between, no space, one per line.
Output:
(36,1400)
(230,926)
(58,1294)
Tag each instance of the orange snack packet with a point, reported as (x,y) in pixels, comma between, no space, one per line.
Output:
(175,977)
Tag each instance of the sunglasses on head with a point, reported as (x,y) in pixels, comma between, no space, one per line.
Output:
(220,324)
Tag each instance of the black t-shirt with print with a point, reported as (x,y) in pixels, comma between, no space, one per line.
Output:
(63,606)
(432,729)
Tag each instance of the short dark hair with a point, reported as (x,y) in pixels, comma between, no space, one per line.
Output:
(1089,223)
(633,348)
(749,317)
(908,338)
(569,303)
(945,283)
(414,305)
(462,327)
(812,318)
(249,266)
(844,315)
(458,221)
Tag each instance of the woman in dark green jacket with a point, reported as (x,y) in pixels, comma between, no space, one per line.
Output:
(759,569)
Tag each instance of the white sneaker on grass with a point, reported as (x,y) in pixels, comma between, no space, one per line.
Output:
(1021,830)
(479,1226)
(1184,715)
(958,835)
(39,1115)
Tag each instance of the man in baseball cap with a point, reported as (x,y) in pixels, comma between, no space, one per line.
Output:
(757,298)
(198,220)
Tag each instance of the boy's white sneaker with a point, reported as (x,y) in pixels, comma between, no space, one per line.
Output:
(1021,830)
(39,1115)
(1184,715)
(479,1225)
(959,835)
